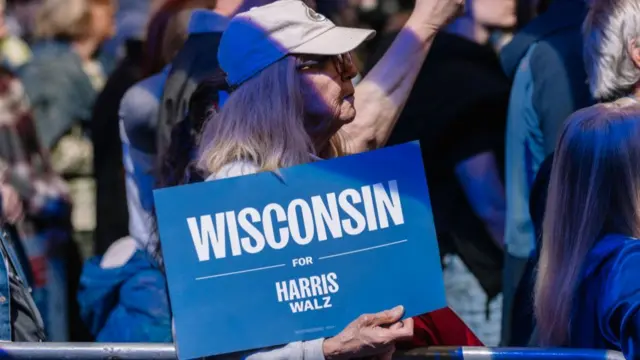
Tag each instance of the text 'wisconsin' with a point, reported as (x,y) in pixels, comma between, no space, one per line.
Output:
(350,212)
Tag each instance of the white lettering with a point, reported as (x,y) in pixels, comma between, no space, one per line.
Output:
(348,208)
(326,217)
(296,306)
(327,302)
(234,239)
(367,199)
(247,225)
(250,230)
(268,226)
(306,294)
(307,220)
(281,290)
(206,234)
(386,205)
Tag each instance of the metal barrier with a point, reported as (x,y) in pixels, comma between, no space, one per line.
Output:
(139,351)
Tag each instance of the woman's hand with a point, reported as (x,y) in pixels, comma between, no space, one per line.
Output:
(12,210)
(369,335)
(438,13)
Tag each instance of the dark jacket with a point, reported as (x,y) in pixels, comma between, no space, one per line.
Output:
(545,62)
(196,61)
(559,77)
(112,218)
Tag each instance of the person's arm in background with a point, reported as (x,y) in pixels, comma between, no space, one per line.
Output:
(480,180)
(10,205)
(559,89)
(381,95)
(24,164)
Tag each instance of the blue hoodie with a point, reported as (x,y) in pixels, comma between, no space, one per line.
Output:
(606,308)
(125,304)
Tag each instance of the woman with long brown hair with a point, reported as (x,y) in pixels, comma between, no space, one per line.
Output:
(587,289)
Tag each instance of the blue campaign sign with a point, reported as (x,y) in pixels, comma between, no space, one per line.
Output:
(268,259)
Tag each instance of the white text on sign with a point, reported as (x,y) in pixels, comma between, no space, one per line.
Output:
(301,221)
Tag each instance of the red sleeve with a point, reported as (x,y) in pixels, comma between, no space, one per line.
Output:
(440,328)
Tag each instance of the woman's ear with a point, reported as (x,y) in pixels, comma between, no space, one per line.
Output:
(634,52)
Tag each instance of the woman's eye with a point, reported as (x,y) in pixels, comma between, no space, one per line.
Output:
(308,65)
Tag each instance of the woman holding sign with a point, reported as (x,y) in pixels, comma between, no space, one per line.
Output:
(290,70)
(298,128)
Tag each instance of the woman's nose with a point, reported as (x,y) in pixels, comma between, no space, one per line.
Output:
(350,70)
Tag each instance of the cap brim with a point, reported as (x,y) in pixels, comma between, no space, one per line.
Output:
(338,40)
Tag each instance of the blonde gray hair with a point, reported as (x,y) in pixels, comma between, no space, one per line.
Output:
(609,29)
(262,122)
(68,19)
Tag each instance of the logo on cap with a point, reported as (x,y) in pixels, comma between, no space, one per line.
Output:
(314,16)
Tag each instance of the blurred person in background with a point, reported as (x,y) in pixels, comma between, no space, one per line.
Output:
(125,264)
(112,218)
(457,109)
(62,81)
(14,52)
(139,111)
(612,66)
(37,210)
(587,292)
(545,62)
(130,20)
(21,17)
(143,59)
(612,49)
(19,315)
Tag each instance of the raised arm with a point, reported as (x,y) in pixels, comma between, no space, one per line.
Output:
(382,94)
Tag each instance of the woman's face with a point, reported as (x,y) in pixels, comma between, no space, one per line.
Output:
(328,93)
(494,13)
(103,21)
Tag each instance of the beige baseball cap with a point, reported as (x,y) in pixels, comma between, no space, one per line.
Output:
(263,35)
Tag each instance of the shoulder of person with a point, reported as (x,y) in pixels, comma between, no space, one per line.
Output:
(139,101)
(616,258)
(234,169)
(119,253)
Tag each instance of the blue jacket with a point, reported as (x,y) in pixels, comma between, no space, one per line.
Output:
(544,59)
(9,257)
(549,83)
(60,92)
(606,309)
(125,304)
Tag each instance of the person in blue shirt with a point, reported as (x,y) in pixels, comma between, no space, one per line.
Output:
(587,289)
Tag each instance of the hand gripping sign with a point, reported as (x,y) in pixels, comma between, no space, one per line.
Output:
(267,259)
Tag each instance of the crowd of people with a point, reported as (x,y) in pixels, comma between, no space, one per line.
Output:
(527,113)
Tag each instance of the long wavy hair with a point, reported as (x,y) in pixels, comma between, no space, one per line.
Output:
(594,191)
(262,122)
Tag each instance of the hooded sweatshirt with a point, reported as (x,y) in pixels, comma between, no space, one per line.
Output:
(606,307)
(128,303)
